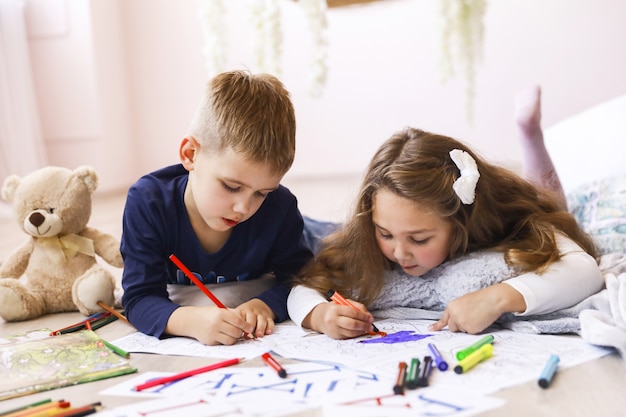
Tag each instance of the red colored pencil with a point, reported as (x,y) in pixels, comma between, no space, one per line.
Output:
(196,281)
(85,410)
(186,374)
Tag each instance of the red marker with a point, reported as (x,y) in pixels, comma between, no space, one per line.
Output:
(273,363)
(398,389)
(338,298)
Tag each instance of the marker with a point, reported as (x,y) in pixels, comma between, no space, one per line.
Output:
(474,358)
(273,363)
(398,389)
(426,370)
(548,371)
(339,299)
(412,374)
(439,361)
(186,374)
(463,353)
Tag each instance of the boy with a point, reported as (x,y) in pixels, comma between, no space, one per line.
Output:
(222,212)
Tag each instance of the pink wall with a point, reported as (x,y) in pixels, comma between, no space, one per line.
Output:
(118,82)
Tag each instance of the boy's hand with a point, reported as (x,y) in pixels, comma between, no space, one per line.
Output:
(258,316)
(339,321)
(474,312)
(210,325)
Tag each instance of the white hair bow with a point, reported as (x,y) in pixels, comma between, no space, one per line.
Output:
(465,185)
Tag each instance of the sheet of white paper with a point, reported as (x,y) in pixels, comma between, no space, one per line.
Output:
(183,346)
(517,357)
(251,391)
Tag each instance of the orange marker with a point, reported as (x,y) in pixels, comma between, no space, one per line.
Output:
(338,298)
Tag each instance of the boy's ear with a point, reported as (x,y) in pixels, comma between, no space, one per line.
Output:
(189,149)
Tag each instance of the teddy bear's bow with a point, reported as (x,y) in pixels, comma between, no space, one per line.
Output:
(61,248)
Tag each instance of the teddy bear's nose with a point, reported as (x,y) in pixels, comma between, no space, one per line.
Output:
(36,219)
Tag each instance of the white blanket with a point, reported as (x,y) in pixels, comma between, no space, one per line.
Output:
(599,319)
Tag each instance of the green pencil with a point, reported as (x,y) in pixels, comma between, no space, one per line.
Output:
(24,407)
(115,349)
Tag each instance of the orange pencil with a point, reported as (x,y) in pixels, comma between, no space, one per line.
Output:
(48,407)
(113,311)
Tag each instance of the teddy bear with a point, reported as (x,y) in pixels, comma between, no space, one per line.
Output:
(56,269)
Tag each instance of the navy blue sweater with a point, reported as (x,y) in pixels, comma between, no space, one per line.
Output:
(156,225)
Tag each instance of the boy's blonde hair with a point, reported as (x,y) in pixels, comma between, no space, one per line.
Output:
(250,114)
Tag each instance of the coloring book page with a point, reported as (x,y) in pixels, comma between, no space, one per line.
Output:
(244,391)
(183,346)
(517,357)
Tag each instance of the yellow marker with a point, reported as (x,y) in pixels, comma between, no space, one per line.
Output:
(479,355)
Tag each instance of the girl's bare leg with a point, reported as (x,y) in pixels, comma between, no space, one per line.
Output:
(537,166)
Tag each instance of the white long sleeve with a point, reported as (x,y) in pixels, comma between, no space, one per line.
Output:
(573,278)
(301,301)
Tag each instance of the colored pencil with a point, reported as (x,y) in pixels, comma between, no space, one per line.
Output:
(115,349)
(113,311)
(79,411)
(196,281)
(25,407)
(186,374)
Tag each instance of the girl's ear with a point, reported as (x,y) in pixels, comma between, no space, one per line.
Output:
(189,149)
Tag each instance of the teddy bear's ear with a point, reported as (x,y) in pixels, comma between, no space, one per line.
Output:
(10,185)
(88,175)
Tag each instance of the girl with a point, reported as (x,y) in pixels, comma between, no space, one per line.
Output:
(428,198)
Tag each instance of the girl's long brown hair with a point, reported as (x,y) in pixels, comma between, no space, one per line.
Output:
(508,214)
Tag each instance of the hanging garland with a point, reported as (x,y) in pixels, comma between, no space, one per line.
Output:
(267,37)
(461,29)
(460,25)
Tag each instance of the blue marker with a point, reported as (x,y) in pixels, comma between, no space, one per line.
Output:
(548,371)
(439,361)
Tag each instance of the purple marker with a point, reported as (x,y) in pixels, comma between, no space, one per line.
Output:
(439,361)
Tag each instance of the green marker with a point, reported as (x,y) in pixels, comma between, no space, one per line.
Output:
(474,358)
(412,375)
(463,353)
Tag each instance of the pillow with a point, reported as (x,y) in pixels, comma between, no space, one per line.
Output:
(600,208)
(591,145)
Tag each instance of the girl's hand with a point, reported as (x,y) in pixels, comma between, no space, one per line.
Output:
(258,315)
(210,325)
(339,321)
(474,312)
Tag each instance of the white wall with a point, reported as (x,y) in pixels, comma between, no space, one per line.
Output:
(117,88)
